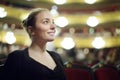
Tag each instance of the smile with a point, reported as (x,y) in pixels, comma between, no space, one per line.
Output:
(51,33)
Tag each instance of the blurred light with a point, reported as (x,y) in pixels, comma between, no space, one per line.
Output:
(98,42)
(86,51)
(54,11)
(61,22)
(90,1)
(3,13)
(28,0)
(60,2)
(57,32)
(68,43)
(50,46)
(10,38)
(2,9)
(117,31)
(72,30)
(92,21)
(80,55)
(97,13)
(5,26)
(60,51)
(24,16)
(91,30)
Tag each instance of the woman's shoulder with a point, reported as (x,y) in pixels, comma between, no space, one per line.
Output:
(17,53)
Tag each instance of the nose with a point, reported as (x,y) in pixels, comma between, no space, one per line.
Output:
(53,26)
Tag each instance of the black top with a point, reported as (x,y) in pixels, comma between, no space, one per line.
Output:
(19,66)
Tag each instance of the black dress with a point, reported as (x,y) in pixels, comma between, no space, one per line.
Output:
(19,66)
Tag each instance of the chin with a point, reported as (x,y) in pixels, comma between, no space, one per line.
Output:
(49,40)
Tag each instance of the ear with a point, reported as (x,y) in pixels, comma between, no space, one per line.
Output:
(31,30)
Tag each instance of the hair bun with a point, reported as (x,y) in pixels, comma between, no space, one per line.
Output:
(24,22)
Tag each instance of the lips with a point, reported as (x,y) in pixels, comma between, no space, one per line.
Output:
(51,33)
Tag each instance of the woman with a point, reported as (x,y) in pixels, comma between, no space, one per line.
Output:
(35,62)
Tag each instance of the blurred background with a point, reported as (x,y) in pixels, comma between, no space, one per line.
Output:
(87,32)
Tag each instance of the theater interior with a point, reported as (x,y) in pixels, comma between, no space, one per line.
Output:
(87,34)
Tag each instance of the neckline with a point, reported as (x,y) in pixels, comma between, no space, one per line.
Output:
(30,58)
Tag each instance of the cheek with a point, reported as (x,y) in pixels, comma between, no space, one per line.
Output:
(41,31)
(42,28)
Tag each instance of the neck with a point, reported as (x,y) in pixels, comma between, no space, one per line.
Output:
(39,47)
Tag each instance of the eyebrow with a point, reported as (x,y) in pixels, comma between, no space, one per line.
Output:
(47,19)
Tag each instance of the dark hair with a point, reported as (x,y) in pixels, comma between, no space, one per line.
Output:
(31,19)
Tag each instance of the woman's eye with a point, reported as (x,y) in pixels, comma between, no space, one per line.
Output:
(45,22)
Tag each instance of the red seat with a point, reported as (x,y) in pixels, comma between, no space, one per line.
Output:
(106,73)
(78,74)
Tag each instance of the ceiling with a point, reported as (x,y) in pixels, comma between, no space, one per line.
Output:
(76,11)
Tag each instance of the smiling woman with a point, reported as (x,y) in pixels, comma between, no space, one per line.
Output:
(35,62)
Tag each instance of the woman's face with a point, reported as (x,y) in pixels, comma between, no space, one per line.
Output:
(44,27)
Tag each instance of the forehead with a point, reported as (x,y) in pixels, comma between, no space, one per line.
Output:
(44,15)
